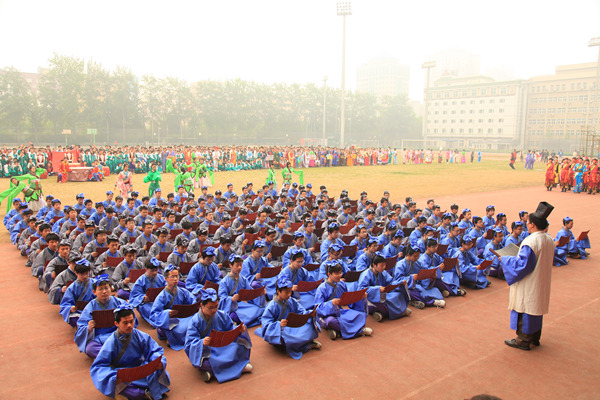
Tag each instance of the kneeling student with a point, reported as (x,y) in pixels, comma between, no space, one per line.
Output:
(345,322)
(225,363)
(275,331)
(151,279)
(80,290)
(129,348)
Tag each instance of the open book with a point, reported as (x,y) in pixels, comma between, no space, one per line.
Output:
(510,250)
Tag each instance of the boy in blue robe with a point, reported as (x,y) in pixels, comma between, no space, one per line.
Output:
(168,326)
(128,348)
(227,362)
(87,337)
(488,220)
(80,290)
(248,312)
(120,276)
(61,259)
(297,244)
(422,292)
(204,270)
(394,247)
(348,322)
(335,254)
(254,264)
(55,211)
(495,244)
(365,259)
(150,279)
(13,211)
(446,281)
(516,235)
(573,249)
(470,276)
(380,304)
(274,329)
(44,210)
(295,272)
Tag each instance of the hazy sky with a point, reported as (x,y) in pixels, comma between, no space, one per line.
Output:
(295,41)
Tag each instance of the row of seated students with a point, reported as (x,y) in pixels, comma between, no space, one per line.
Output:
(187,287)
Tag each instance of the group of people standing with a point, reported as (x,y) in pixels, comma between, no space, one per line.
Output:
(579,174)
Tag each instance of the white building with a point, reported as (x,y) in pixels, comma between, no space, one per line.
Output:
(383,77)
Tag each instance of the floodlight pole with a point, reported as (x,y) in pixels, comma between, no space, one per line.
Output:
(596,42)
(426,65)
(343,8)
(324,108)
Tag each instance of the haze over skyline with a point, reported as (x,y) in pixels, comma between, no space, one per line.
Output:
(280,41)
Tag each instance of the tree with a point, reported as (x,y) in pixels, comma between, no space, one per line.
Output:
(16,102)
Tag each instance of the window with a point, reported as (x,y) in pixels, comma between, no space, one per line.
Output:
(501,110)
(503,91)
(501,120)
(481,101)
(499,130)
(502,100)
(479,130)
(491,110)
(490,130)
(462,111)
(454,103)
(481,121)
(462,121)
(470,121)
(481,111)
(471,111)
(493,91)
(483,92)
(453,111)
(461,130)
(472,102)
(474,92)
(490,121)
(491,101)
(470,130)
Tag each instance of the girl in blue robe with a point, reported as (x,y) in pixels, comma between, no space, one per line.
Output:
(274,329)
(447,282)
(204,270)
(495,244)
(574,249)
(140,349)
(248,312)
(345,322)
(467,263)
(254,264)
(335,251)
(80,290)
(87,337)
(225,363)
(164,318)
(516,236)
(422,293)
(393,304)
(295,272)
(365,259)
(150,279)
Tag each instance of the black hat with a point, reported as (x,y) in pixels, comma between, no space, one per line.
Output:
(543,211)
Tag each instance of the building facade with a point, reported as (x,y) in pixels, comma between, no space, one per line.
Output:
(562,108)
(383,77)
(474,112)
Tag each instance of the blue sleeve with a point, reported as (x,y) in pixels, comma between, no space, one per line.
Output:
(518,267)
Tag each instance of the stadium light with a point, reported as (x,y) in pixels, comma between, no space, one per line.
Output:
(344,8)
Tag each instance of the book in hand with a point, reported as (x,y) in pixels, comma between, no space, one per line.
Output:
(426,274)
(349,251)
(442,249)
(286,239)
(311,267)
(186,310)
(352,276)
(489,234)
(511,250)
(80,305)
(583,235)
(304,286)
(449,264)
(563,241)
(484,265)
(269,272)
(185,267)
(137,373)
(153,292)
(134,274)
(348,298)
(103,318)
(113,261)
(101,250)
(58,268)
(297,320)
(390,263)
(404,221)
(250,294)
(391,288)
(225,338)
(211,285)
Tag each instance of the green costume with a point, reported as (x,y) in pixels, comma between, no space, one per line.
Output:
(154,178)
(202,171)
(33,193)
(287,175)
(271,177)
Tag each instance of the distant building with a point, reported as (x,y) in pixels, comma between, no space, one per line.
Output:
(474,112)
(562,107)
(383,77)
(454,63)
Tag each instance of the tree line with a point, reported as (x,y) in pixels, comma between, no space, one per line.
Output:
(120,107)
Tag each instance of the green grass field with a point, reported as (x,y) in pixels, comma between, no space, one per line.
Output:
(418,181)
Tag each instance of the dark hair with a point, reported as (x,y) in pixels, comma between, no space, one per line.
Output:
(378,260)
(331,269)
(297,255)
(80,269)
(52,236)
(123,313)
(476,220)
(205,302)
(409,250)
(541,224)
(431,242)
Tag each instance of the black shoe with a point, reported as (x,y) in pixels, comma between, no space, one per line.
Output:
(535,342)
(513,343)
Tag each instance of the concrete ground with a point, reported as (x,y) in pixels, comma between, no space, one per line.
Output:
(452,353)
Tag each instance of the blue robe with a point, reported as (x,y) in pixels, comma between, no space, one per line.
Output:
(82,336)
(352,319)
(138,291)
(404,270)
(574,246)
(251,267)
(199,274)
(390,250)
(295,340)
(495,269)
(453,243)
(249,312)
(515,269)
(174,328)
(227,362)
(395,300)
(76,291)
(468,263)
(307,299)
(141,350)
